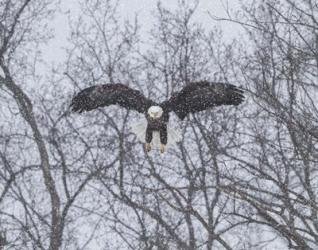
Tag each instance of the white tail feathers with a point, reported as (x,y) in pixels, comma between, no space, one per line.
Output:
(174,135)
(139,129)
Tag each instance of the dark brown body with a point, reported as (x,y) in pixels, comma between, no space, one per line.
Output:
(160,125)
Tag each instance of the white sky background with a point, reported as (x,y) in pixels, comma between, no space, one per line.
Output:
(54,51)
(144,9)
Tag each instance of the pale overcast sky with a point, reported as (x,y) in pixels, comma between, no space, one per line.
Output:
(144,9)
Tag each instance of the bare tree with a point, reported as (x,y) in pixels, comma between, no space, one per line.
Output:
(241,178)
(173,203)
(40,187)
(277,173)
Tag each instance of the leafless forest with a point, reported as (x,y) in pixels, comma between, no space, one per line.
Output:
(241,178)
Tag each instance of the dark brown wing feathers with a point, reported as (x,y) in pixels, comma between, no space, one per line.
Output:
(199,96)
(110,94)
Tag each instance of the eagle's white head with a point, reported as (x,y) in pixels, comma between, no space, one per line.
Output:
(155,112)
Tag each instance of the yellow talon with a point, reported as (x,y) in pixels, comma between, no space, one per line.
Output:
(147,147)
(162,148)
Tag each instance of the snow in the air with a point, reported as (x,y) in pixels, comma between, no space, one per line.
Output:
(236,82)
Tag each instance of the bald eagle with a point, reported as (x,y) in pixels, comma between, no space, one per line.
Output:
(194,97)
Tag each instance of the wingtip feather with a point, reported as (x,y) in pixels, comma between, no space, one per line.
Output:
(78,104)
(236,95)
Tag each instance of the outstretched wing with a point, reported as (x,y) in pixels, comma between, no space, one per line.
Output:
(109,94)
(199,96)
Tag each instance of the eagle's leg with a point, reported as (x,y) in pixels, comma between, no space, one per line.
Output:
(162,148)
(163,139)
(147,147)
(148,139)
